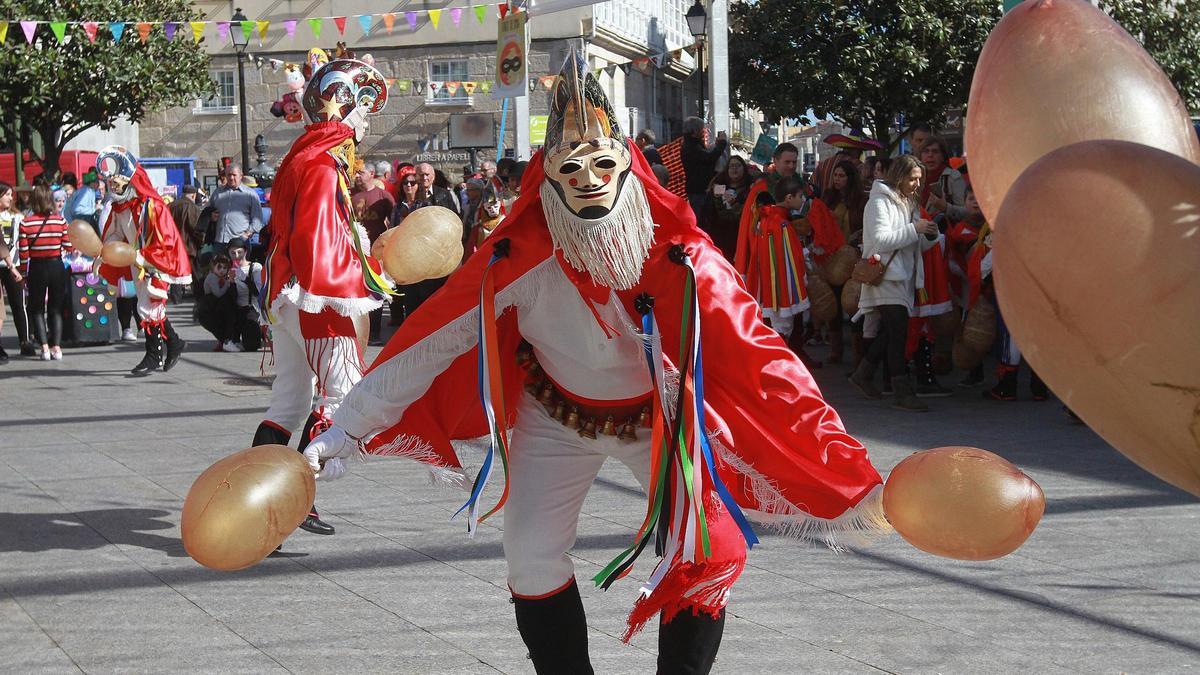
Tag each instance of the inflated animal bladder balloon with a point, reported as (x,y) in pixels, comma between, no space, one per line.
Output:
(962,503)
(427,245)
(823,304)
(118,254)
(979,328)
(245,505)
(1097,268)
(380,243)
(840,264)
(84,238)
(851,292)
(1056,72)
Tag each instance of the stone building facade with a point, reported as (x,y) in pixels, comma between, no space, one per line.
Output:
(414,125)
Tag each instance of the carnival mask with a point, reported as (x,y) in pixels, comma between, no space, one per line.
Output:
(116,166)
(589,176)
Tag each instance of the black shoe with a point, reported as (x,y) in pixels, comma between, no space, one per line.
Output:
(269,434)
(973,379)
(315,525)
(3,356)
(28,349)
(1006,388)
(175,347)
(932,389)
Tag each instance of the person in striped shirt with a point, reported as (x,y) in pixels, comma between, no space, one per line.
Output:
(43,243)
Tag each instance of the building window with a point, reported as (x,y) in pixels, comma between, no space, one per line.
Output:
(452,72)
(223,101)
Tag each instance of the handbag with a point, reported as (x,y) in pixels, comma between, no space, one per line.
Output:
(868,271)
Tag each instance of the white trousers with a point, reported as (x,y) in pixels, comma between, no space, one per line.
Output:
(311,374)
(151,300)
(550,471)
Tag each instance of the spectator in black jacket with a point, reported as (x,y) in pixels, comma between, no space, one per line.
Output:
(647,143)
(699,162)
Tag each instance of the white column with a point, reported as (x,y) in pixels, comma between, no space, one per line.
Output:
(522,128)
(717,62)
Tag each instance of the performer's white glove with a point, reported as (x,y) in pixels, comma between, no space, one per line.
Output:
(328,452)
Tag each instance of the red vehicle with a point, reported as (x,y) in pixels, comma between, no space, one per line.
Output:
(71,161)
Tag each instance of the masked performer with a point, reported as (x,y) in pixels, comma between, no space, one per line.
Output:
(580,325)
(140,218)
(319,281)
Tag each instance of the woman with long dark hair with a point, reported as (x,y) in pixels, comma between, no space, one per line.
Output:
(722,210)
(894,235)
(10,272)
(847,199)
(44,241)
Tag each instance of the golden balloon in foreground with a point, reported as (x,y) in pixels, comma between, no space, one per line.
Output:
(118,254)
(1056,72)
(427,245)
(962,503)
(1097,267)
(84,238)
(245,505)
(380,243)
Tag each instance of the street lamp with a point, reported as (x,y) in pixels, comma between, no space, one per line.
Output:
(697,20)
(240,40)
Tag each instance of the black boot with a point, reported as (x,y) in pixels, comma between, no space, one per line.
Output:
(555,631)
(313,522)
(1006,389)
(175,345)
(927,384)
(688,643)
(154,354)
(269,434)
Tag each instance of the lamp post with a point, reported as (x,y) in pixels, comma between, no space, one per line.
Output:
(697,21)
(240,40)
(262,172)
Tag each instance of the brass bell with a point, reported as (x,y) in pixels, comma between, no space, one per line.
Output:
(546,398)
(535,370)
(572,420)
(644,419)
(628,432)
(560,410)
(610,427)
(589,428)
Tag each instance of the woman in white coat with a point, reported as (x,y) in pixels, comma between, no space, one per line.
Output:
(894,231)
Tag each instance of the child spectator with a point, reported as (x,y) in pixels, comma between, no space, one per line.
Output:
(225,309)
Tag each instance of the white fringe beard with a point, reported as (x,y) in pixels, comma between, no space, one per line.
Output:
(611,249)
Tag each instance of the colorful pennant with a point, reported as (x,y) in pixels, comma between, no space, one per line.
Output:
(117,28)
(59,28)
(315,25)
(197,30)
(29,28)
(389,20)
(261,27)
(290,27)
(89,27)
(169,29)
(4,31)
(340,22)
(364,20)
(435,16)
(481,13)
(143,30)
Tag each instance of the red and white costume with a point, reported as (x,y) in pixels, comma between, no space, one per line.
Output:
(143,221)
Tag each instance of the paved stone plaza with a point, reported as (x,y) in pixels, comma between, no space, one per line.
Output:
(94,466)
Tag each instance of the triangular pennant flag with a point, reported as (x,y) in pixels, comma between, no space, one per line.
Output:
(435,16)
(547,81)
(470,87)
(364,20)
(434,86)
(625,67)
(117,28)
(340,22)
(59,28)
(481,12)
(456,15)
(261,26)
(419,86)
(403,86)
(143,30)
(503,7)
(169,29)
(290,27)
(315,25)
(223,31)
(389,20)
(4,31)
(247,30)
(611,70)
(275,64)
(642,64)
(30,27)
(411,18)
(485,86)
(89,27)
(197,30)
(452,87)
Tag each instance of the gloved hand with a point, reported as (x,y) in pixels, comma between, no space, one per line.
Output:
(328,452)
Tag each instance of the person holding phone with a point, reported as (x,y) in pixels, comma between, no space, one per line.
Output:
(723,210)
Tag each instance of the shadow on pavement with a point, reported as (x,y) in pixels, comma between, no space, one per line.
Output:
(86,530)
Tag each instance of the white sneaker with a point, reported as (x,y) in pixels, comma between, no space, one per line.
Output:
(45,354)
(55,354)
(232,346)
(129,335)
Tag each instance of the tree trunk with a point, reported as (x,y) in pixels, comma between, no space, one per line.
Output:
(881,125)
(52,149)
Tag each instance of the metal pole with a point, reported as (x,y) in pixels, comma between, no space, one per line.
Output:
(700,57)
(242,111)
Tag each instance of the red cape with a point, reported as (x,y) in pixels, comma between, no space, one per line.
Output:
(759,399)
(310,240)
(161,245)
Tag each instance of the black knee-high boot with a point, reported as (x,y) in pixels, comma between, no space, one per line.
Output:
(154,353)
(554,629)
(688,643)
(175,345)
(313,522)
